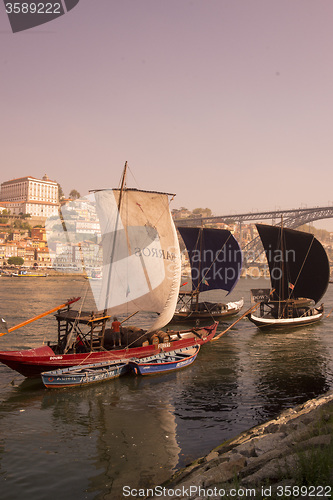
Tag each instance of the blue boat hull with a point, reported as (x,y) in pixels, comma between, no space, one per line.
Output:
(164,362)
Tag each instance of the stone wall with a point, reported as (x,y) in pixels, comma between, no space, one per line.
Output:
(264,459)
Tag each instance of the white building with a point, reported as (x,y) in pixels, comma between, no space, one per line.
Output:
(28,195)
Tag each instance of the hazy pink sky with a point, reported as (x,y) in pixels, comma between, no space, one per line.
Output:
(227,103)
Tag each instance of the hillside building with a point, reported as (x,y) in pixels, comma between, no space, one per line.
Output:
(28,195)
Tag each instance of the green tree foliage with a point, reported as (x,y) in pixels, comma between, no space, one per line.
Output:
(21,224)
(15,261)
(61,195)
(204,212)
(3,218)
(74,195)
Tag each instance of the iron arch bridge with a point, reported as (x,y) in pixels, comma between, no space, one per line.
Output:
(291,218)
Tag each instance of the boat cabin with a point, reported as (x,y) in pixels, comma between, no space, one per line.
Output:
(82,331)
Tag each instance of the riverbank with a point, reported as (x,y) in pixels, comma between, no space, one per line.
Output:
(48,272)
(290,456)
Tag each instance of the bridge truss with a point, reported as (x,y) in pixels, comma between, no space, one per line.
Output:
(291,218)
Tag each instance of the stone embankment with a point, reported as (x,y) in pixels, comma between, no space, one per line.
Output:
(265,458)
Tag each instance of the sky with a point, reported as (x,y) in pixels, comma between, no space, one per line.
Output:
(226,103)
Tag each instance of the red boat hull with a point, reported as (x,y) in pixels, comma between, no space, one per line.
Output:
(32,362)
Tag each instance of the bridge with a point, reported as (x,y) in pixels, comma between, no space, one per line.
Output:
(291,218)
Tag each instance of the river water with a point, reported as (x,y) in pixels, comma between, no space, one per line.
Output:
(88,443)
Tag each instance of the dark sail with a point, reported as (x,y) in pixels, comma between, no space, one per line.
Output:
(298,263)
(215,257)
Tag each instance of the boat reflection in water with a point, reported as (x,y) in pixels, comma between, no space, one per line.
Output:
(291,368)
(131,442)
(136,444)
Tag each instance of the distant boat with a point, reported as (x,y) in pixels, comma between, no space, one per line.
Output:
(84,374)
(299,271)
(164,361)
(25,274)
(94,274)
(216,263)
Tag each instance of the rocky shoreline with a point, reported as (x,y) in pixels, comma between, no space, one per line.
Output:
(267,461)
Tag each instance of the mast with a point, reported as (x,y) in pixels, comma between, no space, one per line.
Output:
(115,236)
(122,185)
(282,271)
(199,280)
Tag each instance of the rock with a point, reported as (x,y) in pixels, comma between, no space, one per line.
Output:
(246,449)
(272,471)
(226,471)
(265,454)
(316,441)
(268,442)
(272,428)
(212,455)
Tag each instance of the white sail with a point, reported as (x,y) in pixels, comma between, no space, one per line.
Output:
(141,257)
(137,249)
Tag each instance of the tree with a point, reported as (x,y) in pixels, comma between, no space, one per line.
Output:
(74,195)
(3,218)
(204,212)
(15,261)
(61,195)
(20,224)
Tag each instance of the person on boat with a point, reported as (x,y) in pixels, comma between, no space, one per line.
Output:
(80,347)
(116,330)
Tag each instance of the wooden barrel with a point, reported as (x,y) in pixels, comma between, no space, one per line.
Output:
(154,338)
(164,337)
(133,336)
(159,337)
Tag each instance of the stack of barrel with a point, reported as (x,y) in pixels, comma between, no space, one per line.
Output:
(133,336)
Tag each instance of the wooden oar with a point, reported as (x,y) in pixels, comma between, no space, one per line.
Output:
(128,317)
(253,308)
(71,301)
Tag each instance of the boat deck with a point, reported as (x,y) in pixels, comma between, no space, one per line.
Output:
(83,317)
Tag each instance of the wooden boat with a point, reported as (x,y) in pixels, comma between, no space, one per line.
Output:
(6,274)
(84,374)
(94,274)
(25,274)
(299,271)
(141,273)
(164,361)
(31,362)
(216,263)
(187,310)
